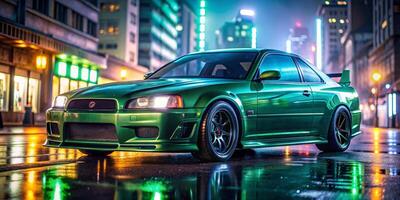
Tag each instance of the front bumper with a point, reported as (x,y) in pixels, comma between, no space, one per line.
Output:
(170,124)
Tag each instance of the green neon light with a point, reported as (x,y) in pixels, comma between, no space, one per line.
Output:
(202,20)
(202,4)
(202,12)
(85,74)
(93,76)
(62,69)
(74,74)
(202,26)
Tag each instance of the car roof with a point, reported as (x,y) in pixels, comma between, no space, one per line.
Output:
(239,50)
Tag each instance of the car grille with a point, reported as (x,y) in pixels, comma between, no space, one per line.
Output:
(92,132)
(99,105)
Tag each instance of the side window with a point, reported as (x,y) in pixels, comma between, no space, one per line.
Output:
(284,65)
(309,74)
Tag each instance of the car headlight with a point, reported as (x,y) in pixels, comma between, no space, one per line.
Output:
(60,102)
(160,102)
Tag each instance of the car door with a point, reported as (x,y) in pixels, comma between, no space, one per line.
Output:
(283,105)
(317,85)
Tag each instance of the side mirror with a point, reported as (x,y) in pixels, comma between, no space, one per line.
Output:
(147,75)
(270,75)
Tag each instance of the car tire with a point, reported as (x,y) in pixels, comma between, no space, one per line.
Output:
(218,134)
(339,134)
(95,152)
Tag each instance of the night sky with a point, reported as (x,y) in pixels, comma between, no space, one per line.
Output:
(273,18)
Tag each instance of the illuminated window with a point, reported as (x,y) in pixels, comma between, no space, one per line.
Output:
(108,27)
(4,91)
(82,84)
(74,72)
(384,24)
(20,89)
(93,76)
(62,69)
(56,87)
(64,85)
(109,7)
(73,85)
(85,74)
(33,96)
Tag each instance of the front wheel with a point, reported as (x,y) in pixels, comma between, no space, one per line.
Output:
(95,152)
(339,135)
(219,133)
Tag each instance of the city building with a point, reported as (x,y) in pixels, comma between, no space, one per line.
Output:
(385,58)
(47,47)
(333,16)
(119,40)
(299,42)
(187,29)
(157,32)
(119,28)
(239,33)
(356,45)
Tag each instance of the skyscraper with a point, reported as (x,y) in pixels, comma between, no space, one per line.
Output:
(157,32)
(357,43)
(119,27)
(333,15)
(239,33)
(187,29)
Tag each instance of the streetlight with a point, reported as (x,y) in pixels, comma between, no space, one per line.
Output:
(123,74)
(376,77)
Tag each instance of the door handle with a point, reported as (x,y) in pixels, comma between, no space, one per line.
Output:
(306,93)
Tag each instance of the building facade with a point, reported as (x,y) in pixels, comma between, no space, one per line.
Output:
(385,58)
(119,28)
(157,32)
(47,47)
(239,33)
(333,14)
(187,29)
(357,43)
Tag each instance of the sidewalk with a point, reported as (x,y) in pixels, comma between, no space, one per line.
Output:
(372,127)
(18,130)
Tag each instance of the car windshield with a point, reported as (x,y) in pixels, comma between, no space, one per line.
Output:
(229,65)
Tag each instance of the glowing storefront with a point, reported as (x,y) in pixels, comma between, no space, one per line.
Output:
(71,73)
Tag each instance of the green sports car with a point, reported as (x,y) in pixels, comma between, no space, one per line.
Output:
(211,104)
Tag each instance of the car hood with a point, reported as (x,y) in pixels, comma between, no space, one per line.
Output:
(124,89)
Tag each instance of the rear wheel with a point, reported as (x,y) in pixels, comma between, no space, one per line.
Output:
(95,152)
(219,133)
(339,135)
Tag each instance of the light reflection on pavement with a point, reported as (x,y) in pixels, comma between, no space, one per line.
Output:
(369,169)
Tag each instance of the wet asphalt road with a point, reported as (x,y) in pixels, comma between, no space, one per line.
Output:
(370,169)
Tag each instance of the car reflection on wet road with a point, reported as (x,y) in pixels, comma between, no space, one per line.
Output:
(369,169)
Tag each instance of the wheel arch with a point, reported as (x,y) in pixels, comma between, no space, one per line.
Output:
(342,104)
(237,107)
